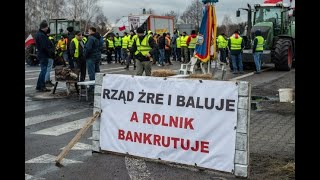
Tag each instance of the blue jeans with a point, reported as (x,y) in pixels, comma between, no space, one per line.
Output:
(65,56)
(49,67)
(124,54)
(257,56)
(161,58)
(117,54)
(41,79)
(91,68)
(237,62)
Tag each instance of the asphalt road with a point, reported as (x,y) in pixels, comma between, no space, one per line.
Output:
(50,123)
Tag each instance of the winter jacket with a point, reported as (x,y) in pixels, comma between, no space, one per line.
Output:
(235,52)
(161,42)
(92,47)
(189,38)
(43,45)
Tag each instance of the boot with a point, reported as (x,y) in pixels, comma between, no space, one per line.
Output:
(134,67)
(127,67)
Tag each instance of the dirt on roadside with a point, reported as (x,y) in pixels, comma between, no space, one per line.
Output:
(270,165)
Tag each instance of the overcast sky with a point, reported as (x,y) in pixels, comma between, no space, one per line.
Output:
(115,9)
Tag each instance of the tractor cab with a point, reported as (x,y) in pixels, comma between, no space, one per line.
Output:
(58,27)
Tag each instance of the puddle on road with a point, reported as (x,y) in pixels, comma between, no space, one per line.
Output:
(255,100)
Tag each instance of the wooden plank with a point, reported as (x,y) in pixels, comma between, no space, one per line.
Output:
(243,102)
(241,170)
(242,121)
(97,89)
(241,142)
(243,88)
(241,157)
(97,101)
(96,146)
(95,135)
(77,137)
(96,125)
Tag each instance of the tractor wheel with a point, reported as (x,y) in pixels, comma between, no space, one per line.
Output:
(283,55)
(30,59)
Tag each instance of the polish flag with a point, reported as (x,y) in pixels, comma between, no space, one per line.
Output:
(122,28)
(29,41)
(272,1)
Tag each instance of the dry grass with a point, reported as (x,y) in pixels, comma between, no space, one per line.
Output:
(201,76)
(162,73)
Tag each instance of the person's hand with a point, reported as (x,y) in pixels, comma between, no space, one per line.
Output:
(148,55)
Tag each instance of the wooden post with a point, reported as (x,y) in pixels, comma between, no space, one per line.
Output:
(76,138)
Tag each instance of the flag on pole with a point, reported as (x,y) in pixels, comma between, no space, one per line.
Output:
(122,28)
(29,41)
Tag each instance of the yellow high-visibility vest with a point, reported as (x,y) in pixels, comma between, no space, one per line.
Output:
(125,41)
(117,41)
(144,46)
(184,41)
(260,43)
(222,42)
(235,43)
(110,43)
(179,42)
(192,43)
(76,51)
(84,40)
(131,40)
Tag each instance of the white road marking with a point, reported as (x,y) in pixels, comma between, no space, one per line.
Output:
(29,177)
(137,169)
(62,128)
(47,158)
(47,117)
(80,146)
(249,74)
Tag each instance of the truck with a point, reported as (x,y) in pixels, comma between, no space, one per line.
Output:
(157,24)
(278,30)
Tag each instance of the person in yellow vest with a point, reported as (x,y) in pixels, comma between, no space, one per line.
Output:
(61,48)
(222,45)
(143,46)
(236,45)
(178,50)
(124,47)
(110,48)
(167,48)
(117,48)
(76,52)
(131,40)
(191,42)
(257,50)
(184,47)
(84,38)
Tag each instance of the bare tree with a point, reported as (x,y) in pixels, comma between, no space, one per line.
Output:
(173,14)
(193,14)
(102,23)
(227,23)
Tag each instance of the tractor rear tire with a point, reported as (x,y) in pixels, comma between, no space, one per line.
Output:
(283,55)
(30,59)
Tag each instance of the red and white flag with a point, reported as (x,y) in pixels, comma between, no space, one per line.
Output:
(29,41)
(122,28)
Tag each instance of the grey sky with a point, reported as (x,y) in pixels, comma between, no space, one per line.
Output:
(115,9)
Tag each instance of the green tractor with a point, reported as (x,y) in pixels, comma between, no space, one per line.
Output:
(278,30)
(58,27)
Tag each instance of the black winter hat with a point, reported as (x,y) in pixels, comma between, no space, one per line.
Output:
(70,29)
(43,24)
(140,30)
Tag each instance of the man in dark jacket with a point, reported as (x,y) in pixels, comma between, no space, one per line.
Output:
(76,52)
(70,37)
(142,48)
(43,45)
(91,52)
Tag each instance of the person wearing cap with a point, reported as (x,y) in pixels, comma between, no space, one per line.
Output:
(167,49)
(43,45)
(91,53)
(110,49)
(47,80)
(76,52)
(257,50)
(236,45)
(142,48)
(222,45)
(191,43)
